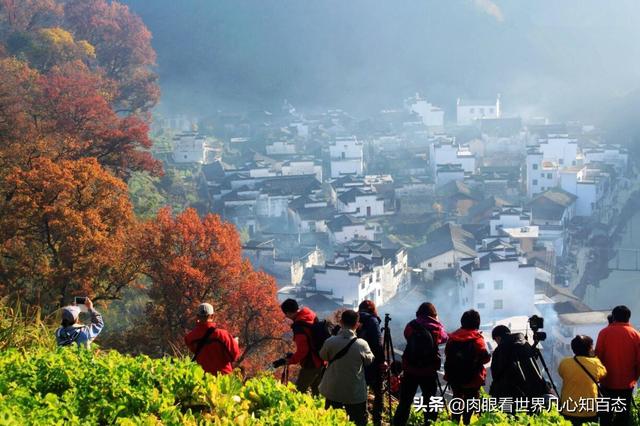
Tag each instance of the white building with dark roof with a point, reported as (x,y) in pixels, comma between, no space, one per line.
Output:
(346,156)
(345,228)
(470,110)
(361,202)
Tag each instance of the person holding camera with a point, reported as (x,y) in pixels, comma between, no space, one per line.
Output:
(369,330)
(514,370)
(465,356)
(618,347)
(420,361)
(343,384)
(71,331)
(213,348)
(580,376)
(308,336)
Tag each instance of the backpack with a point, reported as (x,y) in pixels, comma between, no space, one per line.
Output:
(318,333)
(64,337)
(421,350)
(461,364)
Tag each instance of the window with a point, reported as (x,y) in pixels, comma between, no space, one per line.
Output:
(480,286)
(185,157)
(548,175)
(491,110)
(449,265)
(481,305)
(429,265)
(357,209)
(535,166)
(535,182)
(482,111)
(497,304)
(497,285)
(561,161)
(471,110)
(362,285)
(573,163)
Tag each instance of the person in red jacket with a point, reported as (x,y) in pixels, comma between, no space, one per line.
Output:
(618,347)
(213,348)
(425,373)
(465,356)
(306,355)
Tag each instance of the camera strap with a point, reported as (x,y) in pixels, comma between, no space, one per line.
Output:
(588,374)
(343,351)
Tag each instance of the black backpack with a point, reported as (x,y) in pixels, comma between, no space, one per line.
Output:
(461,364)
(421,350)
(318,333)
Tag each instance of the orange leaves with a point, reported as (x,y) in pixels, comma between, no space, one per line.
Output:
(190,260)
(65,230)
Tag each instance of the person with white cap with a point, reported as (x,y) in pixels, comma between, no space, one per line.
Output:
(213,348)
(72,331)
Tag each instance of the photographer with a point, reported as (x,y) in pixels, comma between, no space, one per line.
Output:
(308,339)
(71,331)
(618,347)
(420,361)
(213,348)
(513,367)
(580,376)
(343,384)
(466,353)
(369,330)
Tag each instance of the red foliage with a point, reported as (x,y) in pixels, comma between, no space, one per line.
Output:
(191,260)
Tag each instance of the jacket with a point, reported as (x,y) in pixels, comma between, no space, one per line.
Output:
(82,335)
(217,356)
(439,335)
(577,384)
(618,347)
(369,330)
(344,380)
(305,355)
(514,371)
(482,356)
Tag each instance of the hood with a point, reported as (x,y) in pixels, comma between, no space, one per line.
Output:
(306,315)
(462,334)
(429,322)
(366,316)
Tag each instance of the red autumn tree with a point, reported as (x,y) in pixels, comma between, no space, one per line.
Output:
(65,230)
(66,114)
(191,260)
(123,48)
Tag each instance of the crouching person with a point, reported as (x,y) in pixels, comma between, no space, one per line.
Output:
(71,331)
(213,348)
(343,384)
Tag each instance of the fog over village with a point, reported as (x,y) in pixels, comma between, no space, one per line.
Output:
(476,154)
(184,161)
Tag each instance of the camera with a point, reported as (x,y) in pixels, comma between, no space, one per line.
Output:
(536,323)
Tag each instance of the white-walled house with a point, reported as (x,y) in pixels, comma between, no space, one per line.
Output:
(345,228)
(361,202)
(281,148)
(364,271)
(590,186)
(431,115)
(444,150)
(346,156)
(559,149)
(469,110)
(509,217)
(614,155)
(302,167)
(497,286)
(191,147)
(444,249)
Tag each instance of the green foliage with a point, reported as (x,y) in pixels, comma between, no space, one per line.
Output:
(74,386)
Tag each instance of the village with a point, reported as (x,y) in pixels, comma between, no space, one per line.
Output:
(487,210)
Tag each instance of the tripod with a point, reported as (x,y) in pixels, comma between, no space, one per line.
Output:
(284,378)
(537,355)
(390,359)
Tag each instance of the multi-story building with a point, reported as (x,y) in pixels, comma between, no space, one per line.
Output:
(346,156)
(468,110)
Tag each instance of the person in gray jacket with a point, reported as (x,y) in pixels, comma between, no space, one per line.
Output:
(72,331)
(343,384)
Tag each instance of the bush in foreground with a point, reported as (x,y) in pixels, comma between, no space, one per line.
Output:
(72,386)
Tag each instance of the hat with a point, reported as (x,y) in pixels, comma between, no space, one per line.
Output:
(205,309)
(70,314)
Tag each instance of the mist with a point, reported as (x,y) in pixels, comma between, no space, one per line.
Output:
(563,59)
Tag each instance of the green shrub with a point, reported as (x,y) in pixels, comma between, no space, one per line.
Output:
(73,386)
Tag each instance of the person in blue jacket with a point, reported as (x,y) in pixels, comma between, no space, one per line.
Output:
(72,331)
